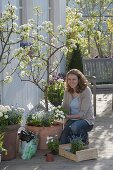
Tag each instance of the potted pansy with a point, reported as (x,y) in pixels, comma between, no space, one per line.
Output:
(10,120)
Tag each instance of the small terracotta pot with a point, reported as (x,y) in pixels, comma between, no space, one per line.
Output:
(49,157)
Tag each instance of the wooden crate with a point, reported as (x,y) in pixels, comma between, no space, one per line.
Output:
(86,154)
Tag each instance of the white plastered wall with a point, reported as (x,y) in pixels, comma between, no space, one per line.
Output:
(58,17)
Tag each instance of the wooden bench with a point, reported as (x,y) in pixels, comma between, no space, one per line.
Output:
(99,72)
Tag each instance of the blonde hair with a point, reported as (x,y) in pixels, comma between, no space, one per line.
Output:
(82,81)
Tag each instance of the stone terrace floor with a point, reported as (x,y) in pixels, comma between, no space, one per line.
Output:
(101,137)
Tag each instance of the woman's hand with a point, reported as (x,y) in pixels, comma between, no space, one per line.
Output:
(68,116)
(77,116)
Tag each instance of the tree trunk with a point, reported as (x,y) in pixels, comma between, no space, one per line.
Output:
(46,98)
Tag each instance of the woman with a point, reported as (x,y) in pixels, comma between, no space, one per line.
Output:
(78,102)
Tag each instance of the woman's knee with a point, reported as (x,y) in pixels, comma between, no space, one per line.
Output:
(78,125)
(74,128)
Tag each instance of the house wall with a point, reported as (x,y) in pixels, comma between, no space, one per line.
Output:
(58,17)
(3,5)
(24,93)
(20,93)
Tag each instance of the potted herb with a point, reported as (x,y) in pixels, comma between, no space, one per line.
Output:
(53,144)
(76,145)
(77,151)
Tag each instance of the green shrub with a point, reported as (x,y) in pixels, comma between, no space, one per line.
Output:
(75,60)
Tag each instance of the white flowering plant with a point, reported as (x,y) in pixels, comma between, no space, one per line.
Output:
(10,116)
(53,144)
(40,119)
(59,113)
(43,118)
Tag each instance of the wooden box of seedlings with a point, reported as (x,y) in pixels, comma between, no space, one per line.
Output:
(85,154)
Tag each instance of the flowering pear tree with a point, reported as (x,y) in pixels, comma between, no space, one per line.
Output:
(40,59)
(76,29)
(8,30)
(110,24)
(36,62)
(92,26)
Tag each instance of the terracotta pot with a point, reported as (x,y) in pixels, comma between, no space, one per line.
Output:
(49,157)
(11,142)
(44,132)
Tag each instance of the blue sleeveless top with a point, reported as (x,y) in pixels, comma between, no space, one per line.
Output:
(75,105)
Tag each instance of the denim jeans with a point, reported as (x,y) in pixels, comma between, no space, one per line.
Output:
(76,128)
